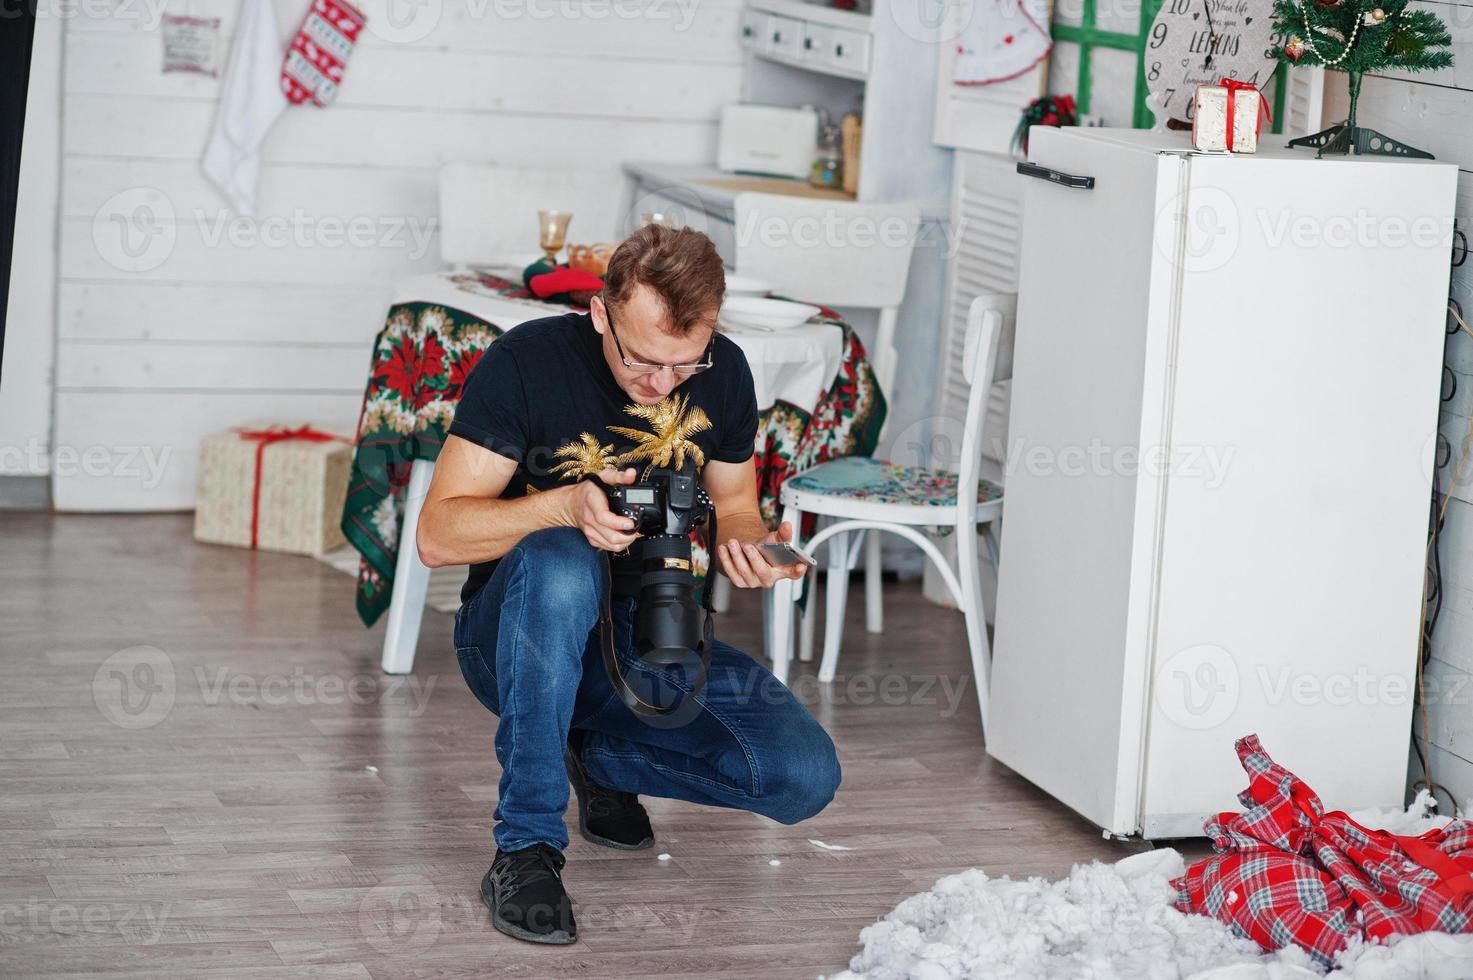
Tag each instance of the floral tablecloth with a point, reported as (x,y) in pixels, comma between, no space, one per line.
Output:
(421,360)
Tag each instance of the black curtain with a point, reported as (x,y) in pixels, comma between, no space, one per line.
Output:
(17,28)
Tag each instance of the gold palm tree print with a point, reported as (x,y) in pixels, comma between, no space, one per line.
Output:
(584,458)
(673,421)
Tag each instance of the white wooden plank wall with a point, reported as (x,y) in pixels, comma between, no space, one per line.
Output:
(1435,112)
(212,322)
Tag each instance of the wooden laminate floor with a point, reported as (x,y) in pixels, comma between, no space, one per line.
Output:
(203,773)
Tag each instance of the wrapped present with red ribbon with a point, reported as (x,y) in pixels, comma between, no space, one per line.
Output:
(1228,117)
(275,487)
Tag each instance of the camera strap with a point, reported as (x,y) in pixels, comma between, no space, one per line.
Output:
(627,694)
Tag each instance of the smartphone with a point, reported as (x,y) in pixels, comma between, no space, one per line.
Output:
(786,553)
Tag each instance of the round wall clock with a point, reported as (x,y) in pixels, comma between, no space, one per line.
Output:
(1198,42)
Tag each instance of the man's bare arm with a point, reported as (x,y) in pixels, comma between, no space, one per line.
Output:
(463,521)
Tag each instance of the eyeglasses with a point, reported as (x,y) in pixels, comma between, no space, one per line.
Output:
(681,370)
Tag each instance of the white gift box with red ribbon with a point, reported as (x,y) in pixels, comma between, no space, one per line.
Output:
(273,486)
(1227,116)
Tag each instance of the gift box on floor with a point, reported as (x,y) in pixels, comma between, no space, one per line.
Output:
(1226,116)
(273,486)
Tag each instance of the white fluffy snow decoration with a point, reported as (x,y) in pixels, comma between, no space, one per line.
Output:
(1116,922)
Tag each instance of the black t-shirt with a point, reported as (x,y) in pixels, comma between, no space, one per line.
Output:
(544,384)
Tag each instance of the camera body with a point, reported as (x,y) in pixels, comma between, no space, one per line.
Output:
(666,502)
(666,506)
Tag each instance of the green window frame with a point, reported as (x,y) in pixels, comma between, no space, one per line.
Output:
(1088,37)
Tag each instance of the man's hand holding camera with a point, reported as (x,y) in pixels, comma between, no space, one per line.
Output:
(588,510)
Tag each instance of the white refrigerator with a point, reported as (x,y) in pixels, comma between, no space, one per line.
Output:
(1225,400)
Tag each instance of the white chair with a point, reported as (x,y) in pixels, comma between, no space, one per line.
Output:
(488,217)
(864,493)
(835,253)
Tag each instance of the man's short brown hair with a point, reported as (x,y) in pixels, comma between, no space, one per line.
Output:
(681,265)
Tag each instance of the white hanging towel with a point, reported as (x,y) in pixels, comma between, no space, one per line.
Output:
(1003,39)
(250,100)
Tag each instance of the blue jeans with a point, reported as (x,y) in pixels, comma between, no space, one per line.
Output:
(528,646)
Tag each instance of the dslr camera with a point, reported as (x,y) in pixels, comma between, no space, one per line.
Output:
(666,506)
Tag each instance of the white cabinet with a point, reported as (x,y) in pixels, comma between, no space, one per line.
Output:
(1224,396)
(836,49)
(783,37)
(819,39)
(751,25)
(842,61)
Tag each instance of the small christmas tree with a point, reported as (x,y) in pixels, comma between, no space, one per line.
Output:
(1357,36)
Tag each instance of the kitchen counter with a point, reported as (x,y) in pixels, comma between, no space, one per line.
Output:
(713,191)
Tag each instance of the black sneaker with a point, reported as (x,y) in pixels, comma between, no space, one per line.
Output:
(524,891)
(606,816)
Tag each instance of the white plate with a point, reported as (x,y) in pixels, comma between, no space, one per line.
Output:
(746,286)
(768,314)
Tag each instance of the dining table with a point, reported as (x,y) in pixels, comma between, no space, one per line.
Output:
(817,397)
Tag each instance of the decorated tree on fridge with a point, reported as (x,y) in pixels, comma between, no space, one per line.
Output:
(1359,36)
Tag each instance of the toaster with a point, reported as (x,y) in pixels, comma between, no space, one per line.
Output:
(767,139)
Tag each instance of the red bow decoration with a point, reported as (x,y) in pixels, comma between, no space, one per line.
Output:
(1233,86)
(266,437)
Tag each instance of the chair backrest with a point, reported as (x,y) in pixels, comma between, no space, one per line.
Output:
(488,213)
(986,320)
(837,253)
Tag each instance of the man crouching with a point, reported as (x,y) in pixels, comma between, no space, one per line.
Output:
(551,403)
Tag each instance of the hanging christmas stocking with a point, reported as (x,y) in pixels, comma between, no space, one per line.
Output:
(1004,39)
(319,53)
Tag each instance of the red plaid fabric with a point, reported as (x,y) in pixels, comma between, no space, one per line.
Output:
(1287,872)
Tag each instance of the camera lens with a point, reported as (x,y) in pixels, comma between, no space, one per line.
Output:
(670,623)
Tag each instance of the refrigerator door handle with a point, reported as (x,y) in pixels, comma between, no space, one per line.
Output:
(1056,176)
